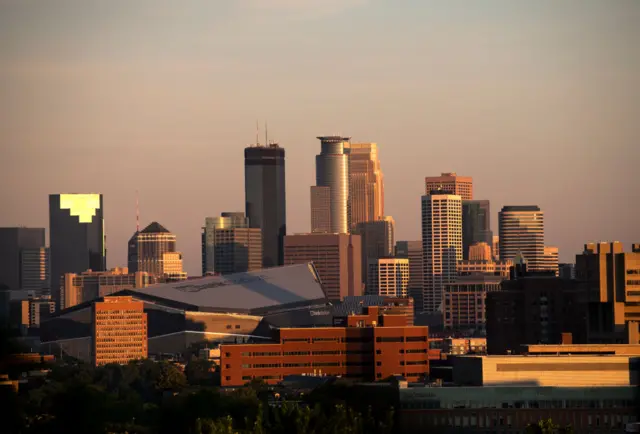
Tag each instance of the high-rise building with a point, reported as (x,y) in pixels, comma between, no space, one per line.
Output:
(522,230)
(441,245)
(23,259)
(450,183)
(332,170)
(227,220)
(464,307)
(479,252)
(266,209)
(413,251)
(567,271)
(336,257)
(550,259)
(388,277)
(495,248)
(119,331)
(77,238)
(27,313)
(320,210)
(378,240)
(237,250)
(366,183)
(157,253)
(476,224)
(489,268)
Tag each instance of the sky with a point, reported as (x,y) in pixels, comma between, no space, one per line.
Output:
(538,101)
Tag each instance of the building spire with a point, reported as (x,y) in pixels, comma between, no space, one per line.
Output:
(257,132)
(266,134)
(137,213)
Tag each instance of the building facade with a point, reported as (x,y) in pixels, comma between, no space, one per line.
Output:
(320,210)
(24,259)
(465,303)
(152,243)
(491,268)
(495,248)
(238,250)
(479,252)
(332,170)
(265,198)
(388,277)
(450,183)
(227,220)
(378,238)
(522,230)
(550,260)
(413,251)
(336,257)
(77,237)
(366,183)
(476,224)
(441,245)
(119,331)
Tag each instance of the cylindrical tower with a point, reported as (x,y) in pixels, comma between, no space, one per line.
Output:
(332,171)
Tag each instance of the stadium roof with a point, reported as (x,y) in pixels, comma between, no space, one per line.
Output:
(242,292)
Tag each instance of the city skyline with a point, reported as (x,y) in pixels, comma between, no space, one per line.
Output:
(545,116)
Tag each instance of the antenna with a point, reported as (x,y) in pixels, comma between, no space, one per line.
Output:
(257,131)
(266,134)
(137,213)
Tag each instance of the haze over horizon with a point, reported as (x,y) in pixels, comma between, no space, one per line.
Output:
(537,101)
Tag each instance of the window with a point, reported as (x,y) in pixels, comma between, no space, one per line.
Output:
(389,339)
(416,339)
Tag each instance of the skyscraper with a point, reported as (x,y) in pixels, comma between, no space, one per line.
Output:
(378,239)
(476,224)
(227,220)
(441,244)
(77,238)
(450,183)
(388,277)
(265,203)
(332,171)
(522,230)
(157,252)
(550,260)
(366,183)
(413,251)
(21,249)
(320,210)
(237,250)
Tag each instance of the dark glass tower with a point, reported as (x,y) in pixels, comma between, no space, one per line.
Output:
(265,202)
(76,225)
(476,224)
(13,243)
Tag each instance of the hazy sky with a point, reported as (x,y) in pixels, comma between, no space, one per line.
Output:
(538,101)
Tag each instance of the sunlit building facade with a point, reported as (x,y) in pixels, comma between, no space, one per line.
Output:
(227,220)
(450,183)
(332,170)
(522,231)
(388,277)
(366,183)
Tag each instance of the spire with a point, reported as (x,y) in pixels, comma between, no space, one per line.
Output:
(137,213)
(266,134)
(257,132)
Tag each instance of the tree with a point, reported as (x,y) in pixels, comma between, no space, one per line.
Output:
(547,426)
(170,378)
(198,371)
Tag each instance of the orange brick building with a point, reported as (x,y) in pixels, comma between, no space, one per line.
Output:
(119,331)
(372,347)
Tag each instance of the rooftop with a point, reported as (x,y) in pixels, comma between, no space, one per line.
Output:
(155,228)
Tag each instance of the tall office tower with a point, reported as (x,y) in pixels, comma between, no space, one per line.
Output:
(476,224)
(77,238)
(336,257)
(157,253)
(227,220)
(388,277)
(550,259)
(612,277)
(320,210)
(441,245)
(264,187)
(450,183)
(132,252)
(237,250)
(479,252)
(378,241)
(119,327)
(34,270)
(522,230)
(495,247)
(413,251)
(332,171)
(19,251)
(366,183)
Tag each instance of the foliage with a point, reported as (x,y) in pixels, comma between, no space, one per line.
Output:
(547,426)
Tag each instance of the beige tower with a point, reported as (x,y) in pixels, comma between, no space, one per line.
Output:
(366,183)
(450,183)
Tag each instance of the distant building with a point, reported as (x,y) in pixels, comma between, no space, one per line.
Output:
(332,171)
(265,198)
(350,306)
(567,271)
(495,248)
(366,183)
(337,258)
(490,268)
(238,250)
(550,259)
(119,331)
(479,252)
(27,313)
(413,251)
(476,225)
(24,260)
(450,183)
(377,242)
(441,245)
(522,231)
(320,210)
(77,238)
(465,302)
(157,253)
(388,277)
(227,220)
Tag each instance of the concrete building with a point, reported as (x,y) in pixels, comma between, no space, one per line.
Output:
(27,313)
(612,278)
(320,210)
(372,347)
(441,245)
(491,268)
(332,171)
(465,302)
(227,220)
(90,285)
(336,257)
(450,183)
(550,259)
(479,252)
(388,277)
(77,238)
(238,250)
(567,271)
(265,198)
(350,306)
(23,259)
(522,231)
(378,238)
(476,225)
(582,349)
(119,331)
(157,253)
(413,251)
(495,248)
(366,183)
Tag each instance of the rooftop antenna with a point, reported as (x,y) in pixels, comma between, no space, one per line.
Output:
(257,131)
(266,134)
(137,213)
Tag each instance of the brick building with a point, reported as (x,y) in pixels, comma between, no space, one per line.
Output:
(371,347)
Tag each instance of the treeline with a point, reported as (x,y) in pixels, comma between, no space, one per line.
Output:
(148,397)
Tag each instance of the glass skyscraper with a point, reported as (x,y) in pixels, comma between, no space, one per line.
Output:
(476,224)
(227,220)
